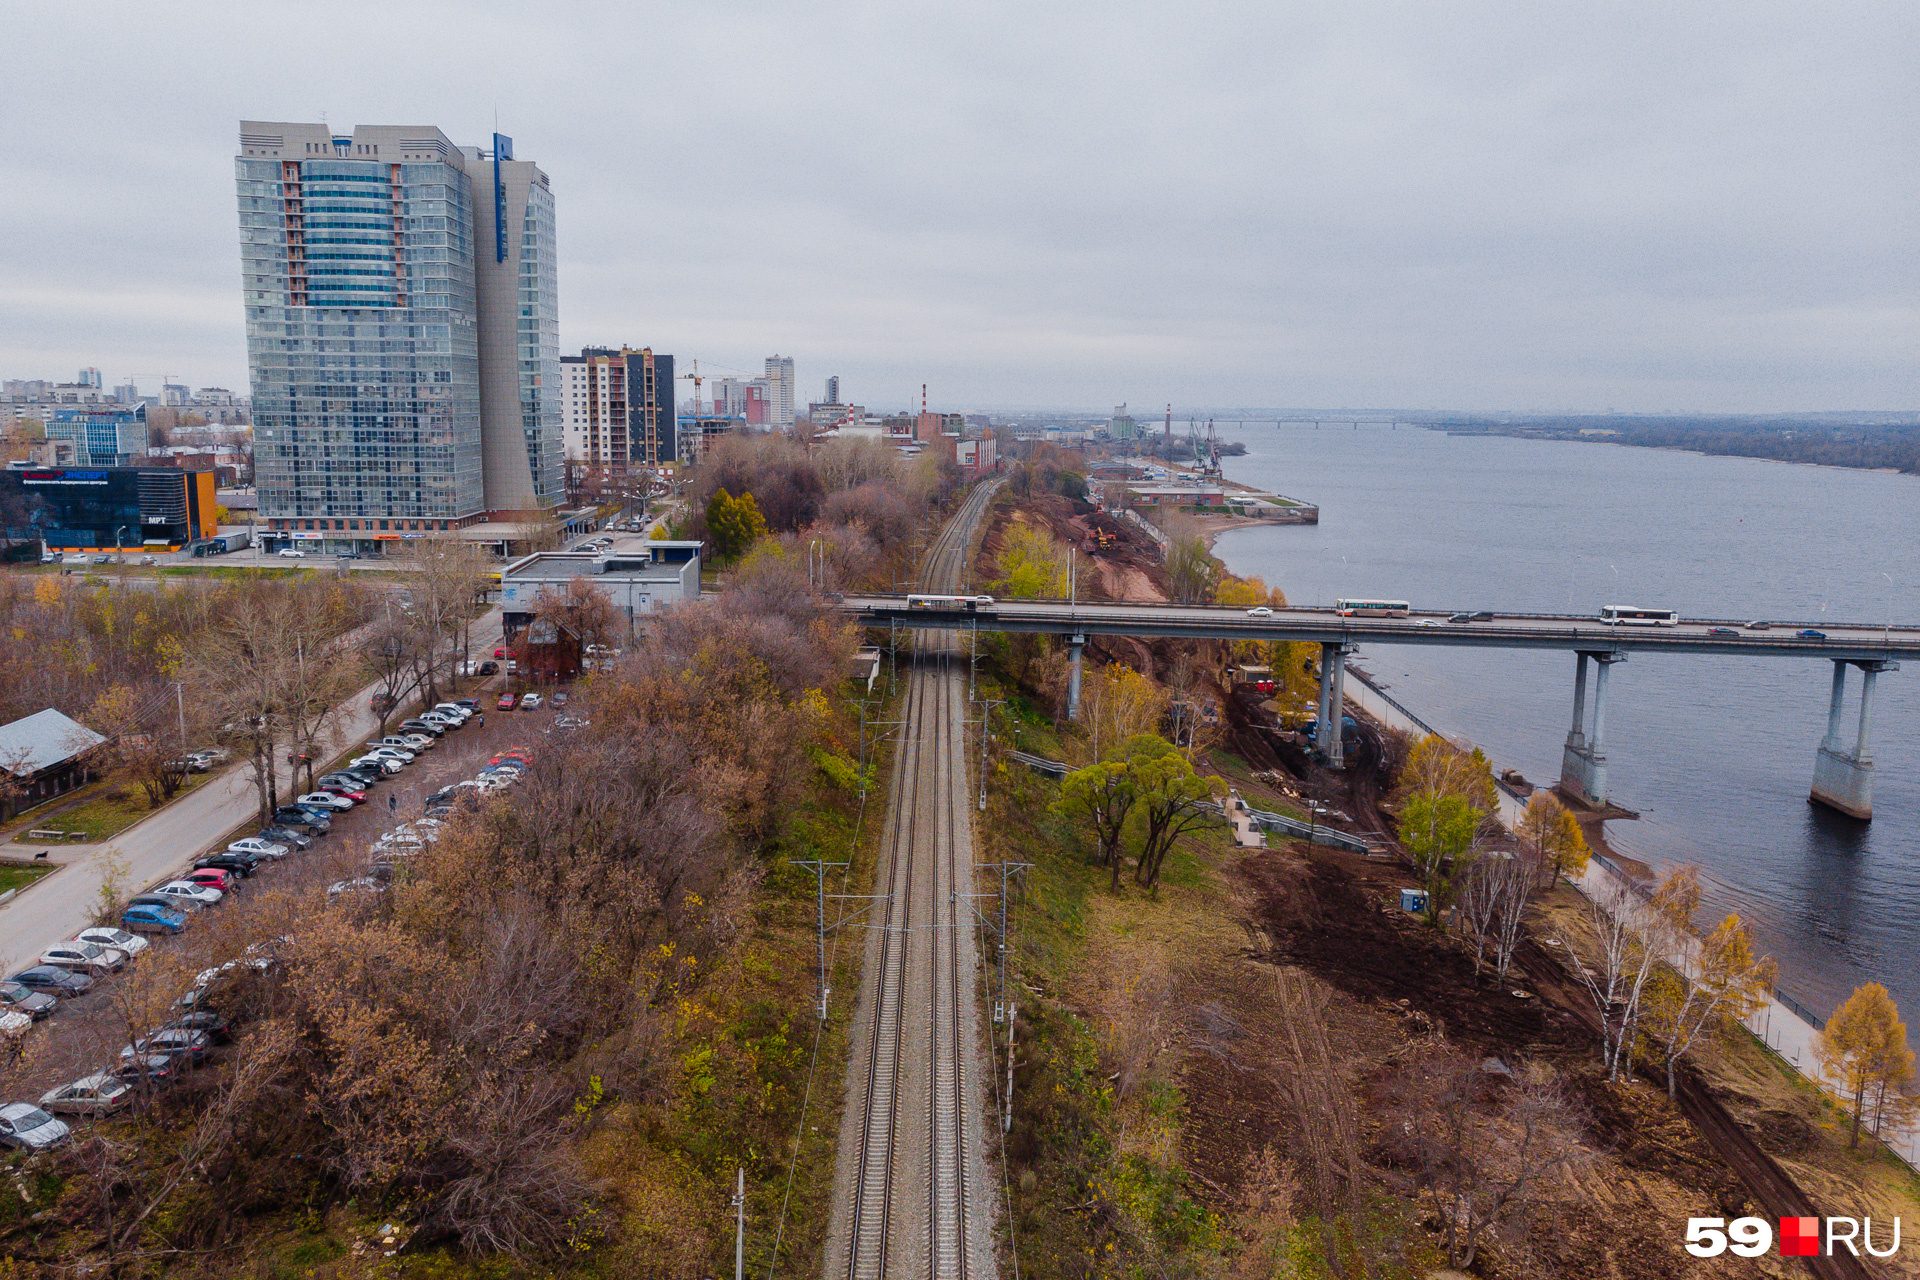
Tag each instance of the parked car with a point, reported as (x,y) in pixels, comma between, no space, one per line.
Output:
(459,711)
(1810,633)
(215,878)
(217,1027)
(147,918)
(392,745)
(191,892)
(500,652)
(355,776)
(420,726)
(165,902)
(187,764)
(301,820)
(277,834)
(212,756)
(471,704)
(95,1095)
(265,848)
(531,701)
(506,702)
(419,741)
(571,722)
(27,1127)
(102,559)
(560,698)
(324,800)
(344,789)
(177,1043)
(119,939)
(152,1069)
(53,981)
(17,998)
(354,887)
(385,764)
(291,553)
(84,957)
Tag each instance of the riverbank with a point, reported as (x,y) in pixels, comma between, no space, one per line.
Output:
(1783,1025)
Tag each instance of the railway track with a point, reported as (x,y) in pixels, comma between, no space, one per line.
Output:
(911,1196)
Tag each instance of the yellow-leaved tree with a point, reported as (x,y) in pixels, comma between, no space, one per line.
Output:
(1863,1051)
(1729,982)
(1034,565)
(1117,703)
(1552,835)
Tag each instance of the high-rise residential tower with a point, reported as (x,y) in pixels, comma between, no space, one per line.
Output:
(402,313)
(780,386)
(619,408)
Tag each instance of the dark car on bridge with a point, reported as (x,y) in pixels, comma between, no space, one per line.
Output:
(1810,634)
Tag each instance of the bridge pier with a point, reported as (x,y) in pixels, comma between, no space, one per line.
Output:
(1333,703)
(1583,765)
(1075,644)
(1842,779)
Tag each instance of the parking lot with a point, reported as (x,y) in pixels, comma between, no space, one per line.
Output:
(85,1033)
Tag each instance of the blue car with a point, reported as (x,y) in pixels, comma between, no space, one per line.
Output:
(1811,634)
(152,919)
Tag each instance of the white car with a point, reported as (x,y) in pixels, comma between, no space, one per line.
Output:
(529,702)
(84,957)
(291,553)
(24,1125)
(187,889)
(417,742)
(442,719)
(1260,611)
(454,709)
(262,848)
(1426,622)
(390,752)
(325,800)
(359,884)
(119,939)
(93,1095)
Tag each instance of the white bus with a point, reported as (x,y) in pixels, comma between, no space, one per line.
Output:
(968,603)
(1372,608)
(1621,615)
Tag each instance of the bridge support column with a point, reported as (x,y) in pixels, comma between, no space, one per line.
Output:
(1842,779)
(1583,765)
(1333,704)
(1074,645)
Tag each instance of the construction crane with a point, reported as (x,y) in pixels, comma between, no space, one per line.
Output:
(697,378)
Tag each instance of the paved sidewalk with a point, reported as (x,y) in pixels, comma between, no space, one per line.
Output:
(159,846)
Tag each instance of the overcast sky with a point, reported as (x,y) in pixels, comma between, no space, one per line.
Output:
(1500,206)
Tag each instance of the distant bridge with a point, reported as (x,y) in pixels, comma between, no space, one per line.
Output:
(1843,777)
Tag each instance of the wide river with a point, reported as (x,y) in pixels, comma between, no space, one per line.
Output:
(1715,753)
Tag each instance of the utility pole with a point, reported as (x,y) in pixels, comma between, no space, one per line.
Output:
(740,1226)
(819,868)
(986,725)
(180,705)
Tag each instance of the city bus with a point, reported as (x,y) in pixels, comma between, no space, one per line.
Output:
(968,603)
(1372,608)
(1620,615)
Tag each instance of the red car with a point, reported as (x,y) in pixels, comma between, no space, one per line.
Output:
(214,878)
(518,757)
(501,652)
(506,702)
(358,797)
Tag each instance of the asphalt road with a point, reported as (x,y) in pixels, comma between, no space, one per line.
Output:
(157,847)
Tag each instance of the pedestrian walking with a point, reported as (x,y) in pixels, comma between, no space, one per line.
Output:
(393,803)
(480,721)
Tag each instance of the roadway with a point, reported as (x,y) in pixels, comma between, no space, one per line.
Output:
(1844,641)
(156,848)
(913,1195)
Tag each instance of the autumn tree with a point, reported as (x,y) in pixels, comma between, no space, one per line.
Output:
(1447,802)
(1191,568)
(1174,799)
(1552,836)
(1103,796)
(733,524)
(1863,1053)
(1033,564)
(1119,703)
(1726,983)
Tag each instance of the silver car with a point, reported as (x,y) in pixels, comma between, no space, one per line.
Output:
(95,1095)
(26,1126)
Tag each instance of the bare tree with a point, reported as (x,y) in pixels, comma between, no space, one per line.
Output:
(1482,1155)
(1631,937)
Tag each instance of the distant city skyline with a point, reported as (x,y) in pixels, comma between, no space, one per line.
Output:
(1655,208)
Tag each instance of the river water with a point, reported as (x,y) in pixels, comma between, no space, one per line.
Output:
(1715,753)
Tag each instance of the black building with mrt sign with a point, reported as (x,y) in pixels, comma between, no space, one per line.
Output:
(107,508)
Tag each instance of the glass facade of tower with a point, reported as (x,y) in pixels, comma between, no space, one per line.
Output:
(542,393)
(362,338)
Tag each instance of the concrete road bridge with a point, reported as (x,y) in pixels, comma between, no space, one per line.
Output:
(1842,774)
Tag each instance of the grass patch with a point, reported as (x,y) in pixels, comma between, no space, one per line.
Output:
(114,806)
(16,877)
